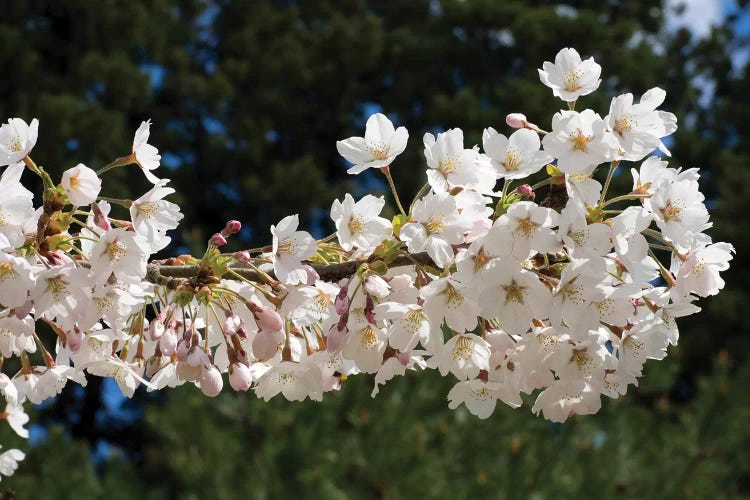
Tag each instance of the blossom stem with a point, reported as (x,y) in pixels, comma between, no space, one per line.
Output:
(123,160)
(387,171)
(660,247)
(327,238)
(664,272)
(31,165)
(506,186)
(624,198)
(422,191)
(612,167)
(657,236)
(548,180)
(117,201)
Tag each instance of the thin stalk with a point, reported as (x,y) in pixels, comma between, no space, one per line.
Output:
(387,172)
(612,167)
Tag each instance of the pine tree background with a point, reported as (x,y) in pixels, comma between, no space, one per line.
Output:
(248,98)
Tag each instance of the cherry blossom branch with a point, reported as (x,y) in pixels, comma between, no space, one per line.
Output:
(175,276)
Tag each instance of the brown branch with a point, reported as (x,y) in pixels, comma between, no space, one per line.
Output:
(175,276)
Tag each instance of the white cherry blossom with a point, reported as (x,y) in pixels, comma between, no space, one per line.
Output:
(515,157)
(17,138)
(359,224)
(579,141)
(81,184)
(378,148)
(570,77)
(290,248)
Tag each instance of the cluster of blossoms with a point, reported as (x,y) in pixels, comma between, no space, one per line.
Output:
(478,279)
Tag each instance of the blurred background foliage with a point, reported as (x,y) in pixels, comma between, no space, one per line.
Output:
(248,98)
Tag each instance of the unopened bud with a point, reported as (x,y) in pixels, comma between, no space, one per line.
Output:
(100,220)
(168,343)
(74,339)
(197,357)
(211,381)
(525,191)
(342,300)
(231,324)
(377,286)
(265,345)
(242,256)
(516,120)
(240,377)
(232,227)
(337,338)
(268,319)
(312,274)
(217,240)
(156,329)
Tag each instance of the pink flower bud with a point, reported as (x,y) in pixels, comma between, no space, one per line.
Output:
(217,240)
(100,220)
(268,319)
(312,274)
(168,343)
(231,324)
(240,377)
(186,372)
(265,345)
(370,310)
(342,301)
(232,227)
(377,286)
(211,381)
(183,347)
(22,311)
(242,256)
(242,332)
(153,364)
(525,191)
(197,357)
(155,329)
(74,339)
(516,120)
(337,338)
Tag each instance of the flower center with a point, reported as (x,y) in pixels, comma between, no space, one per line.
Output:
(368,339)
(14,146)
(146,208)
(116,250)
(378,151)
(525,227)
(356,225)
(625,124)
(455,298)
(434,225)
(75,182)
(514,293)
(462,350)
(580,140)
(512,159)
(572,76)
(287,246)
(672,212)
(6,271)
(447,166)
